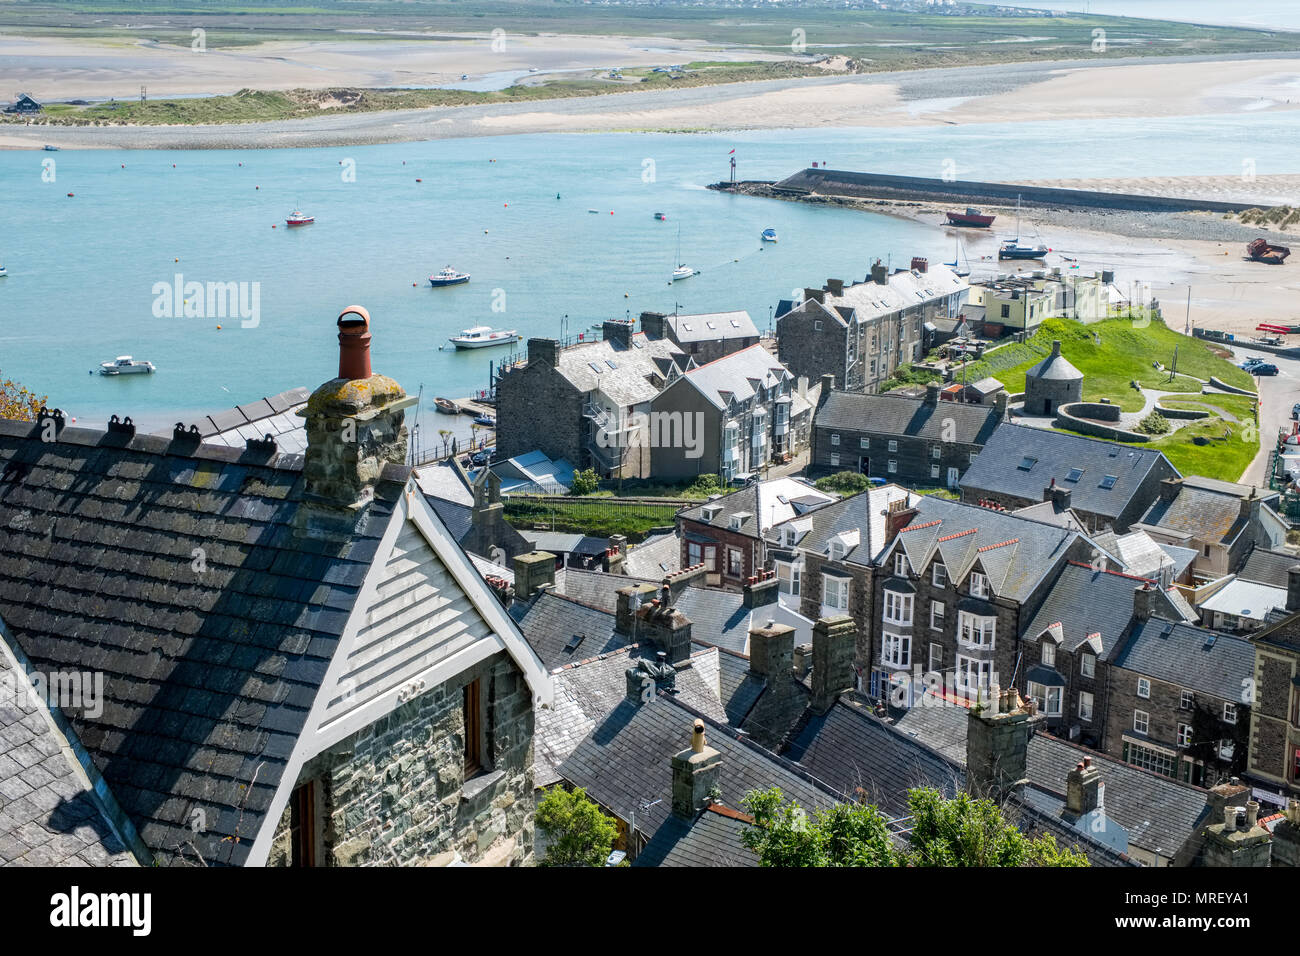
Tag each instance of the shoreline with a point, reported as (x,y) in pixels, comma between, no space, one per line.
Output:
(1018,92)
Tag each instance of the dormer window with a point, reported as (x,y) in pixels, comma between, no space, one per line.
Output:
(979,585)
(900,565)
(736,522)
(939,575)
(1049,653)
(837,550)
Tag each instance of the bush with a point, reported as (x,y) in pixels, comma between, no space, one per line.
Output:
(584,482)
(707,485)
(907,375)
(843,483)
(578,832)
(1154,424)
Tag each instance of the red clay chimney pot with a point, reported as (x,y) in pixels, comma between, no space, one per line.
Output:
(354,343)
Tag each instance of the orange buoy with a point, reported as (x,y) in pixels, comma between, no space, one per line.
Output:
(218,328)
(176,260)
(69,195)
(415,285)
(419,180)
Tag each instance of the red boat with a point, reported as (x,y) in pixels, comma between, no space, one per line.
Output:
(971,217)
(1260,250)
(297,218)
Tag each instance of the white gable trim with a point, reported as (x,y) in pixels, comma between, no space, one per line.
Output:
(317,737)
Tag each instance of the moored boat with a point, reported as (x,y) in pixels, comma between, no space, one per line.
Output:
(769,235)
(482,336)
(1012,249)
(683,272)
(660,216)
(446,406)
(125,365)
(971,217)
(299,218)
(485,420)
(448,276)
(1261,250)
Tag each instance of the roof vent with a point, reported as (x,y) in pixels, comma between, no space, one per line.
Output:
(122,426)
(191,435)
(262,446)
(47,419)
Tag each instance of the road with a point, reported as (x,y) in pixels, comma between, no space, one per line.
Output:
(1278,393)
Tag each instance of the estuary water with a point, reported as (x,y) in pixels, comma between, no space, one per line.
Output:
(90,276)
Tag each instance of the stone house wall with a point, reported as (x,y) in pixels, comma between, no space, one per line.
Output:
(808,351)
(538,409)
(862,601)
(395,792)
(914,456)
(753,551)
(1273,736)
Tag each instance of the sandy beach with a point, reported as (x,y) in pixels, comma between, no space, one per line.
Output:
(1023,92)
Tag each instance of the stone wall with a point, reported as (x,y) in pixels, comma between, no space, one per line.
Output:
(810,352)
(914,457)
(1056,391)
(538,409)
(395,792)
(1065,418)
(1186,414)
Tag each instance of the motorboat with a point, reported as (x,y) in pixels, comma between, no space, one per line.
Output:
(482,336)
(448,276)
(971,217)
(1012,249)
(446,406)
(487,421)
(299,218)
(660,216)
(769,235)
(125,365)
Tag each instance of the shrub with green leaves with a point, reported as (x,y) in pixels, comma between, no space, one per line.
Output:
(1154,424)
(843,483)
(577,831)
(584,482)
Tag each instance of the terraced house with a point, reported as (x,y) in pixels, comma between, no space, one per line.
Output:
(297,664)
(1275,718)
(861,332)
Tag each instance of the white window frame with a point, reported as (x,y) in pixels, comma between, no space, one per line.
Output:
(979,585)
(864,443)
(833,582)
(739,562)
(900,565)
(1184,735)
(1088,665)
(893,445)
(893,467)
(1229,712)
(788,574)
(1049,653)
(835,459)
(939,575)
(936,452)
(1050,697)
(1141,722)
(1144,688)
(976,630)
(936,657)
(1186,700)
(983,669)
(898,608)
(1085,712)
(937,620)
(835,438)
(934,471)
(896,650)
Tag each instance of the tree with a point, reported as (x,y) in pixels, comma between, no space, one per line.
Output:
(848,834)
(584,482)
(843,483)
(18,403)
(577,831)
(960,831)
(964,831)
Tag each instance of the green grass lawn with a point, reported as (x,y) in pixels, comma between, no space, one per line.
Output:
(594,516)
(1125,353)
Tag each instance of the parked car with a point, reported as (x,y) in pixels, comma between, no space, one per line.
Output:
(1263,368)
(1252,361)
(1295,410)
(483,457)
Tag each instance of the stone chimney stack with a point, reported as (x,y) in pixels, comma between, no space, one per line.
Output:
(771,653)
(834,645)
(648,615)
(544,352)
(997,744)
(1083,788)
(835,287)
(879,273)
(618,332)
(654,325)
(1238,840)
(1293,588)
(1144,601)
(762,590)
(1000,403)
(1169,488)
(1250,507)
(1056,348)
(533,572)
(1058,495)
(695,576)
(898,516)
(697,770)
(355,423)
(1286,837)
(932,394)
(615,554)
(814,295)
(628,601)
(828,386)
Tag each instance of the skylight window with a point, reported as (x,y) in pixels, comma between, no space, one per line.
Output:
(1074,475)
(610,363)
(1027,463)
(1109,482)
(594,367)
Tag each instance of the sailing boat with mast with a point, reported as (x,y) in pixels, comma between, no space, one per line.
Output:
(957,255)
(683,271)
(1012,249)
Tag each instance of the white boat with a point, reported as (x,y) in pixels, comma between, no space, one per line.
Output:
(125,365)
(683,272)
(482,336)
(299,218)
(769,235)
(3,272)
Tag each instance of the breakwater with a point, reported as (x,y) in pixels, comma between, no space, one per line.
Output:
(823,184)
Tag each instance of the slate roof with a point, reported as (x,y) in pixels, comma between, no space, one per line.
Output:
(712,838)
(656,556)
(209,675)
(861,514)
(627,381)
(1192,657)
(552,622)
(625,763)
(1202,513)
(736,377)
(1015,553)
(764,503)
(1158,813)
(997,469)
(1054,367)
(904,289)
(861,756)
(1267,567)
(711,326)
(52,815)
(1036,810)
(721,618)
(1085,601)
(1284,633)
(596,588)
(586,691)
(738,689)
(899,415)
(275,415)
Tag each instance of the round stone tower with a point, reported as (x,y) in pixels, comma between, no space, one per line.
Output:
(1051,383)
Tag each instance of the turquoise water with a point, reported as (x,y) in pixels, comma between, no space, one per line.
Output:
(82,270)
